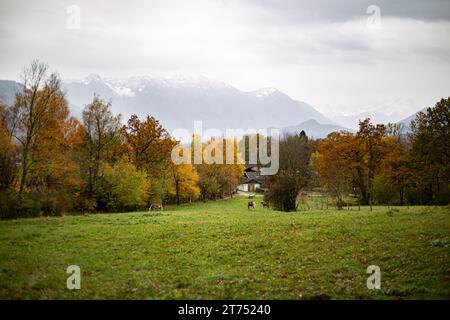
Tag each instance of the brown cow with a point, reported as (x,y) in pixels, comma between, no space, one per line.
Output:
(156,206)
(251,204)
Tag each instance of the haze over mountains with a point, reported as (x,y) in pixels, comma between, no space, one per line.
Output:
(179,101)
(387,111)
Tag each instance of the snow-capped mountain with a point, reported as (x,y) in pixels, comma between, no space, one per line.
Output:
(178,102)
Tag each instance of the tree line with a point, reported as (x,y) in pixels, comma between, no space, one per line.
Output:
(52,163)
(376,165)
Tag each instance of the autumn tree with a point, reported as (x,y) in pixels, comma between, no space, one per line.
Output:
(54,148)
(230,176)
(339,162)
(232,170)
(31,112)
(346,160)
(333,164)
(8,152)
(374,150)
(148,145)
(183,184)
(39,140)
(395,168)
(220,178)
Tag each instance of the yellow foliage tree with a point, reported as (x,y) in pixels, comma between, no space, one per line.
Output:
(183,185)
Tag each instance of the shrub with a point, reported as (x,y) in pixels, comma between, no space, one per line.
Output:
(49,206)
(13,206)
(84,204)
(384,194)
(56,204)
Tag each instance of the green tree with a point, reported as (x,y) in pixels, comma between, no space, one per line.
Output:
(294,173)
(431,152)
(128,186)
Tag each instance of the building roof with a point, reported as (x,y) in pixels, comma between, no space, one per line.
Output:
(250,176)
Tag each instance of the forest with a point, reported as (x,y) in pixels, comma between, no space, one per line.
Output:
(53,164)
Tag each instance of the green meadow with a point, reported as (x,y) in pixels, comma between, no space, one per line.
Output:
(222,250)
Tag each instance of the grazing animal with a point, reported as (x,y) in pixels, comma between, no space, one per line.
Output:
(251,204)
(303,200)
(156,206)
(265,204)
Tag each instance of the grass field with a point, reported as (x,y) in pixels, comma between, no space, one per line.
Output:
(221,250)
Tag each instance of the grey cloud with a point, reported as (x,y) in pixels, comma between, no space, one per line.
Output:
(345,10)
(304,48)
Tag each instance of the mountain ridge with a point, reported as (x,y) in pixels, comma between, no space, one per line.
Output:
(178,102)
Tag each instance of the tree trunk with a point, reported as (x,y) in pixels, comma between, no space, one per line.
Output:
(23,176)
(401,196)
(362,188)
(177,188)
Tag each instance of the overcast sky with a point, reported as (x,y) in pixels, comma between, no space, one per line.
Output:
(330,54)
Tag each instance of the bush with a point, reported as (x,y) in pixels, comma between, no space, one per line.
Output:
(49,206)
(84,204)
(29,207)
(56,204)
(12,206)
(384,194)
(442,197)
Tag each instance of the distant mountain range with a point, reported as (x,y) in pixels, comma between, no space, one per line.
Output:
(178,102)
